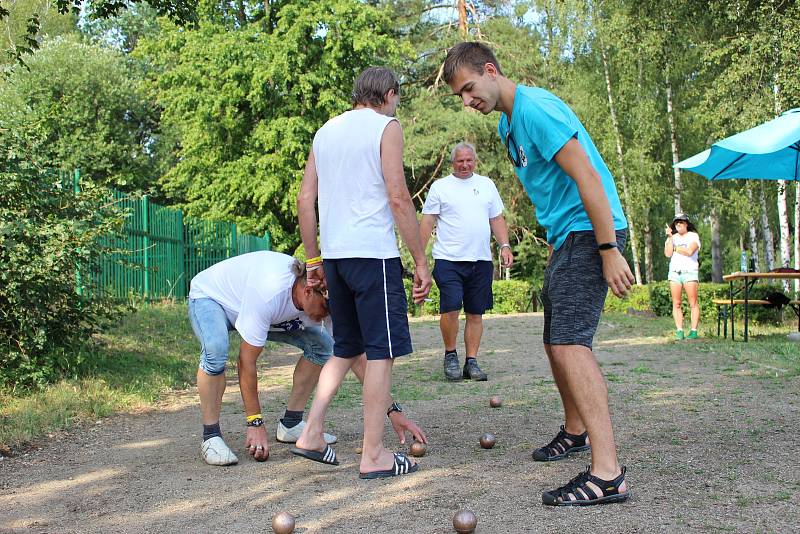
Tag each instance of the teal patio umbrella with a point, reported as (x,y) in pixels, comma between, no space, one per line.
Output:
(770,151)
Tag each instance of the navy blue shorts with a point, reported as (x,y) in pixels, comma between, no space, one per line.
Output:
(368,307)
(467,282)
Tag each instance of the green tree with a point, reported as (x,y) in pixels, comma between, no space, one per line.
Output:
(85,111)
(242,102)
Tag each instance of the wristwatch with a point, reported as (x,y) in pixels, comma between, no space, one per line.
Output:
(395,407)
(606,246)
(504,245)
(256,422)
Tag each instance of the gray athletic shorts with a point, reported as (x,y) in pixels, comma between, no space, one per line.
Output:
(574,290)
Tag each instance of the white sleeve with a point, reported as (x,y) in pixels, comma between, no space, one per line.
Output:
(497,207)
(696,239)
(432,205)
(254,318)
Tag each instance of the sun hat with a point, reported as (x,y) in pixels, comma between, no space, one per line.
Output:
(680,217)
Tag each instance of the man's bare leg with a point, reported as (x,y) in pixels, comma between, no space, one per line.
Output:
(573,423)
(587,388)
(377,388)
(330,378)
(473,331)
(448,324)
(304,380)
(210,389)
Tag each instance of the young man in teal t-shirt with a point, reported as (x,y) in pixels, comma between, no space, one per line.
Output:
(577,203)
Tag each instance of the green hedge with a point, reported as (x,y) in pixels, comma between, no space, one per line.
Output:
(661,301)
(638,299)
(657,298)
(510,296)
(48,234)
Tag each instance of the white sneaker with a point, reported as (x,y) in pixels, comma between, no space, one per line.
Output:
(216,452)
(291,435)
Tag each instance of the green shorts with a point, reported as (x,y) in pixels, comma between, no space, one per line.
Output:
(681,277)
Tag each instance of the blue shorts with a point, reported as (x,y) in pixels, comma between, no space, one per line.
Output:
(469,282)
(368,307)
(211,327)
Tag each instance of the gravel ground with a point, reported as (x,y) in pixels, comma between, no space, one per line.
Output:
(709,445)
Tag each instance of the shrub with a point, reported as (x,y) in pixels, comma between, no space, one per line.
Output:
(661,301)
(510,296)
(638,299)
(48,233)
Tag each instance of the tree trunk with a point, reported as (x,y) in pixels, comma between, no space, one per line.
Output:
(716,251)
(626,197)
(674,142)
(648,250)
(769,243)
(783,222)
(753,241)
(461,5)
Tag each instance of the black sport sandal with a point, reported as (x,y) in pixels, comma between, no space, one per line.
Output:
(562,446)
(578,493)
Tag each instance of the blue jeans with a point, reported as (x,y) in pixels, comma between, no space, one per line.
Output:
(211,327)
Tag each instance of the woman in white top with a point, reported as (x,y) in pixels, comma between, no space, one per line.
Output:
(682,247)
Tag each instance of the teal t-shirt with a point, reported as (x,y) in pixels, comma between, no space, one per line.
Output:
(541,124)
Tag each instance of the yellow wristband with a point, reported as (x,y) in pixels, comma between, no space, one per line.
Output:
(312,261)
(254,417)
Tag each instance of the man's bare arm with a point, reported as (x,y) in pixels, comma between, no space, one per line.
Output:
(405,216)
(574,161)
(426,228)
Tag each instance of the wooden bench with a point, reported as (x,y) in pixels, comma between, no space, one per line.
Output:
(723,311)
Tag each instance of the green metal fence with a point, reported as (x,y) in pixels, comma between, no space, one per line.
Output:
(160,250)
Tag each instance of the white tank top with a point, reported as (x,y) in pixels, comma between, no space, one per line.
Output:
(355,220)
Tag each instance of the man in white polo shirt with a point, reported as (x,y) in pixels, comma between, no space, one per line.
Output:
(466,209)
(355,170)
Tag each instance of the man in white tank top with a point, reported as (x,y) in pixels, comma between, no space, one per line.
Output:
(355,170)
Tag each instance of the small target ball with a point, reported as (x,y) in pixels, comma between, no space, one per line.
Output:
(418,449)
(488,441)
(465,521)
(358,450)
(496,401)
(283,523)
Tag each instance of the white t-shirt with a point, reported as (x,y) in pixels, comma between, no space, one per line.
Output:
(255,290)
(355,220)
(679,262)
(464,207)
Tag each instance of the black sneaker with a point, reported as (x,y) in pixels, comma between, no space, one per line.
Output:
(562,446)
(452,369)
(472,371)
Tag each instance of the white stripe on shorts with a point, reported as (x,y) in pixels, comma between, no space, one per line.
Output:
(386,307)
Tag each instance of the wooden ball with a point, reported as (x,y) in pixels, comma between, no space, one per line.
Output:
(496,401)
(418,449)
(465,521)
(283,523)
(488,441)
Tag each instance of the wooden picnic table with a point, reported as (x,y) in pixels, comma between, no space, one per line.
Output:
(748,280)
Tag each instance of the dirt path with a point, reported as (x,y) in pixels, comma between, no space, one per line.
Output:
(709,447)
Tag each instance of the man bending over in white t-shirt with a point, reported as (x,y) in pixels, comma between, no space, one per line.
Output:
(260,295)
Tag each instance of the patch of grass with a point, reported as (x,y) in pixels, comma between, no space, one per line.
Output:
(768,350)
(632,326)
(151,352)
